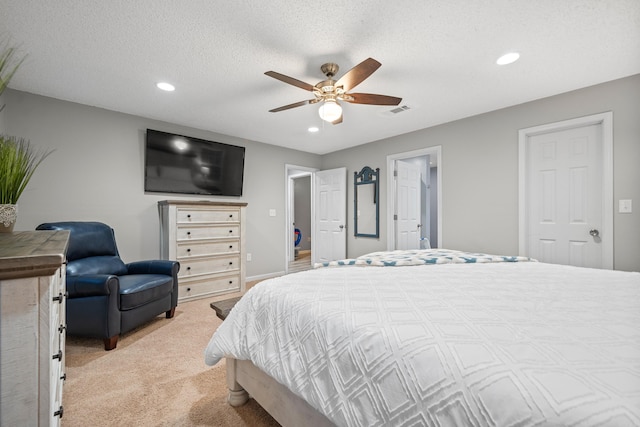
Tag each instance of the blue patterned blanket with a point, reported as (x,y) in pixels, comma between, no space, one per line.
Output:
(421,257)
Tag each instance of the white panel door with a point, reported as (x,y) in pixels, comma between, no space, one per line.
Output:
(330,235)
(566,196)
(408,206)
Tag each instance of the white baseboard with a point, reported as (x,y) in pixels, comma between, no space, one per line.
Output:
(264,276)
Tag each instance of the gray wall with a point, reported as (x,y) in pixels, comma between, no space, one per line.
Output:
(96,173)
(480,169)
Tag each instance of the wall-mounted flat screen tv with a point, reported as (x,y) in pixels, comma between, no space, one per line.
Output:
(181,164)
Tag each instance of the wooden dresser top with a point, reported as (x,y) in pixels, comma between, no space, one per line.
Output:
(32,253)
(199,202)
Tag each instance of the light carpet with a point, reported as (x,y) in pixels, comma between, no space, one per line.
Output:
(155,377)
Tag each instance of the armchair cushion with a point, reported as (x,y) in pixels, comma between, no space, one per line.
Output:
(140,289)
(110,264)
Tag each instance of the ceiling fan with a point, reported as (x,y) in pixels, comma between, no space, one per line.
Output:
(330,91)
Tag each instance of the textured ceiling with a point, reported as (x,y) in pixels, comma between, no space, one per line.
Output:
(439,56)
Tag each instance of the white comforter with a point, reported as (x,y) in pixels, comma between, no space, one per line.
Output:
(507,344)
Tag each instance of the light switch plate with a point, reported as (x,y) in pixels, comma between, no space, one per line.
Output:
(625,206)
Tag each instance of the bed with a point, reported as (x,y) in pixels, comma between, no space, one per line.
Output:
(437,337)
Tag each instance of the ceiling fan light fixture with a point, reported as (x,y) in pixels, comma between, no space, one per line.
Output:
(167,87)
(330,111)
(508,58)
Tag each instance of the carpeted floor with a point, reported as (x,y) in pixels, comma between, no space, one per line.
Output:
(301,263)
(155,377)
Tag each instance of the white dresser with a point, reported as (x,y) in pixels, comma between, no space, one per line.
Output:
(208,239)
(32,331)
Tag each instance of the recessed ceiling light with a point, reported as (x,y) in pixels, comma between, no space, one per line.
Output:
(313,129)
(508,58)
(166,86)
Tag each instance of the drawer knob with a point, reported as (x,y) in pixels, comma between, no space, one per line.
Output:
(58,355)
(230,231)
(230,262)
(188,289)
(188,249)
(59,412)
(231,282)
(64,377)
(188,233)
(230,215)
(189,216)
(230,246)
(59,298)
(188,267)
(61,328)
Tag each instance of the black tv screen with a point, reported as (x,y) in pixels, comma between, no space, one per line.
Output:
(181,164)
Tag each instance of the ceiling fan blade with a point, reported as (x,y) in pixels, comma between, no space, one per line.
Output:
(290,80)
(373,99)
(337,121)
(358,74)
(294,105)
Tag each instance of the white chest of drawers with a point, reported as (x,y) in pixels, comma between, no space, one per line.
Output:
(208,239)
(32,331)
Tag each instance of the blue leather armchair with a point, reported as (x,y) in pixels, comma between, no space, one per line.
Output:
(107,297)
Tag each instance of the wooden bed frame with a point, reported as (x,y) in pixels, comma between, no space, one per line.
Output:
(244,379)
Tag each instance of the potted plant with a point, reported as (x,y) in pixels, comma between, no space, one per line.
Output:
(18,162)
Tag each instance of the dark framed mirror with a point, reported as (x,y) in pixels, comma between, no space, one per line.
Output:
(366,206)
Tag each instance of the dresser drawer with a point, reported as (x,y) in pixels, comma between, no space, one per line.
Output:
(198,249)
(198,267)
(200,288)
(57,283)
(192,215)
(218,232)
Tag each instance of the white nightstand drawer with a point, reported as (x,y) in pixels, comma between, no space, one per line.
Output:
(218,232)
(198,267)
(196,249)
(198,289)
(207,215)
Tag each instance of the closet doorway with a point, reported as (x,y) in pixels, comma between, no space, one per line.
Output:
(298,218)
(428,227)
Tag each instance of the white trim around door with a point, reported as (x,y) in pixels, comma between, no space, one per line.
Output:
(436,152)
(605,121)
(291,172)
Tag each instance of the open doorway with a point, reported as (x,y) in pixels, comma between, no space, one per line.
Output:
(298,218)
(429,216)
(301,211)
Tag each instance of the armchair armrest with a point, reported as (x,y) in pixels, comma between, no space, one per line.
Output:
(170,268)
(90,285)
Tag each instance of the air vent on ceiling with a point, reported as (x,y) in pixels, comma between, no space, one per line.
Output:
(396,110)
(400,109)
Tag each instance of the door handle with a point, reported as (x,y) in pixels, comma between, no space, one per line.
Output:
(594,232)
